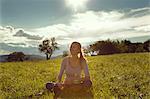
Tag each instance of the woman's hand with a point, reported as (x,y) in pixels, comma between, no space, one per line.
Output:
(60,85)
(87,83)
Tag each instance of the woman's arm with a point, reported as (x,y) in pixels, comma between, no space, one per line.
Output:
(86,71)
(62,68)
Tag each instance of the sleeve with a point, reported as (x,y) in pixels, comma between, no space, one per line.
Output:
(62,68)
(86,71)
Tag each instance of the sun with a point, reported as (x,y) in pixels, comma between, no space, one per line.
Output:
(76,4)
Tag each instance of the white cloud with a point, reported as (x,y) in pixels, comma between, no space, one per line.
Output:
(91,21)
(145,28)
(7,36)
(21,33)
(140,9)
(92,25)
(86,27)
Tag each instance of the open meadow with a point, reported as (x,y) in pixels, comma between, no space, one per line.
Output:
(119,75)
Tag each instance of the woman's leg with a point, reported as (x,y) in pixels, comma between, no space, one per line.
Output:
(87,90)
(53,87)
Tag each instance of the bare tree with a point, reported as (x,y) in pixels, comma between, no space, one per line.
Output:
(48,47)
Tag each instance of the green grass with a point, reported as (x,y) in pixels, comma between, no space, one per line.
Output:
(120,75)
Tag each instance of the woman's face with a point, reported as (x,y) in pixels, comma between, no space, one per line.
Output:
(75,49)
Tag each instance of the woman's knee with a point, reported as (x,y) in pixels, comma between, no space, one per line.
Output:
(53,87)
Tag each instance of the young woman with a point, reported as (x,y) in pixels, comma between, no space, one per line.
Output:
(72,66)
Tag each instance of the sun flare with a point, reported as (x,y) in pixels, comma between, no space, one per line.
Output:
(76,4)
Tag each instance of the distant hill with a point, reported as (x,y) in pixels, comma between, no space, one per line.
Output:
(3,58)
(34,57)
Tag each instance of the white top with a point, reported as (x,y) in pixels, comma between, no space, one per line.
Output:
(73,74)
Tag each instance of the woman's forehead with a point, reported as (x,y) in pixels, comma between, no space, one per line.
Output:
(75,44)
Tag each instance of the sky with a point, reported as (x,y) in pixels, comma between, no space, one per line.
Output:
(25,23)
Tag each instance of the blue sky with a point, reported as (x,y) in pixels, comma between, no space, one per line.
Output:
(25,23)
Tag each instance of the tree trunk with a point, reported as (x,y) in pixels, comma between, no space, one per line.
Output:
(50,56)
(47,57)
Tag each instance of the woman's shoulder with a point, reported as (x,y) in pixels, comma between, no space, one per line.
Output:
(65,58)
(84,60)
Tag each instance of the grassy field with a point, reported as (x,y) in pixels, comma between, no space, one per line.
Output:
(122,75)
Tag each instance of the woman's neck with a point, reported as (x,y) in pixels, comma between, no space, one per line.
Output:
(74,61)
(74,57)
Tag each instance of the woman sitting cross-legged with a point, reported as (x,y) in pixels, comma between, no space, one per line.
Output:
(74,84)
